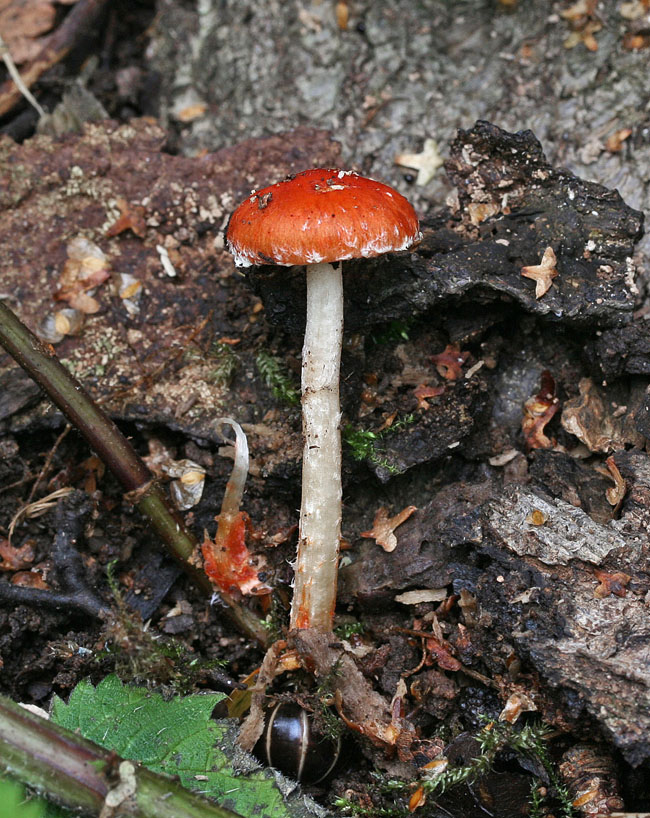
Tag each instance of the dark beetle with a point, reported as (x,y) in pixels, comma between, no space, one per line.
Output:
(290,744)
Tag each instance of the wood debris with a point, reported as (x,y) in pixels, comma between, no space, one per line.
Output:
(584,23)
(131,218)
(23,22)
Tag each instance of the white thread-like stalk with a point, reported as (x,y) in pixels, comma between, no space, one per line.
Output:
(232,496)
(314,597)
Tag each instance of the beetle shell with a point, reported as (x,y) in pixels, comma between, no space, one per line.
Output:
(290,744)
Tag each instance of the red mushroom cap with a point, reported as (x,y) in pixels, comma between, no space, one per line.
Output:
(321,215)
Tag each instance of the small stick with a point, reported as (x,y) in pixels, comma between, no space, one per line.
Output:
(48,461)
(15,76)
(79,774)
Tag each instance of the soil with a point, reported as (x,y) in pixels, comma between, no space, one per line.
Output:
(515,422)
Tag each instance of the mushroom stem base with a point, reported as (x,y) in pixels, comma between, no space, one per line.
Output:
(314,596)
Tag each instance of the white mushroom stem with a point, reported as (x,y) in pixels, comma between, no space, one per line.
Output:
(232,496)
(314,596)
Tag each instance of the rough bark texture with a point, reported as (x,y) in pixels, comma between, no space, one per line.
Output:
(405,71)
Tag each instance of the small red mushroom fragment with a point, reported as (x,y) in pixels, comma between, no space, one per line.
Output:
(226,559)
(318,218)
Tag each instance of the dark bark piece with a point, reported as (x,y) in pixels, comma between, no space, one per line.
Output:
(424,556)
(536,588)
(566,533)
(535,206)
(623,351)
(563,476)
(642,417)
(17,391)
(603,418)
(487,163)
(540,590)
(634,523)
(448,422)
(152,582)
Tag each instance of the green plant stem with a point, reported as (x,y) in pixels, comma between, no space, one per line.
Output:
(42,365)
(78,774)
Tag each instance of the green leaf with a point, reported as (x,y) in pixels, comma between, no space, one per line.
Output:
(179,737)
(16,803)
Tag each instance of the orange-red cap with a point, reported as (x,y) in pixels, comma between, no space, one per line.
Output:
(323,214)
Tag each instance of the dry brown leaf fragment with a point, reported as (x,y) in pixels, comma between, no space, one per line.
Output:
(614,142)
(611,583)
(543,273)
(480,211)
(441,650)
(615,493)
(383,527)
(518,703)
(131,218)
(29,579)
(584,22)
(579,10)
(635,42)
(449,363)
(15,559)
(420,595)
(538,411)
(426,162)
(423,391)
(596,422)
(633,9)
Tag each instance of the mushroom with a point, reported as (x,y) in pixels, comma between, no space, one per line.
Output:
(317,218)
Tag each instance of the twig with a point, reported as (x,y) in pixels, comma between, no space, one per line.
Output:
(76,25)
(40,362)
(15,76)
(79,774)
(48,461)
(54,600)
